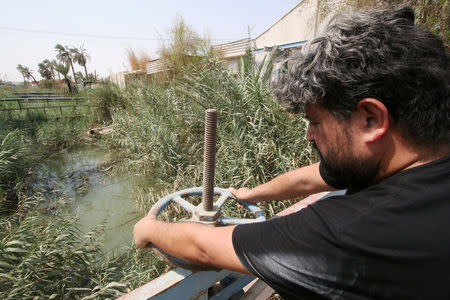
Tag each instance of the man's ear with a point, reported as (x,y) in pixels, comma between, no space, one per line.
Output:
(375,118)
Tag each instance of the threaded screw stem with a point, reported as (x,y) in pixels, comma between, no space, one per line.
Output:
(209,159)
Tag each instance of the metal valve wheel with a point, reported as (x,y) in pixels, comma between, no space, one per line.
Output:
(198,214)
(208,212)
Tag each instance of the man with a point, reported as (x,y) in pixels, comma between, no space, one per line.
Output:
(375,90)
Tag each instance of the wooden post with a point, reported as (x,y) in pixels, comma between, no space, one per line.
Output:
(60,110)
(45,113)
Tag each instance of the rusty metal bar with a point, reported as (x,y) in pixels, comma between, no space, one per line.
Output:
(41,107)
(209,159)
(65,99)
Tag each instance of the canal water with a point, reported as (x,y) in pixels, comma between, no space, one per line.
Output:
(77,181)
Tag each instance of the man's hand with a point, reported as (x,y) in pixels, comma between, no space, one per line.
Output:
(243,194)
(191,241)
(142,230)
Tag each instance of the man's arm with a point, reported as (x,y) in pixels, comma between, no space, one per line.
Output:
(297,183)
(193,242)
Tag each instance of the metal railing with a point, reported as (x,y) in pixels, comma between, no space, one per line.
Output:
(23,104)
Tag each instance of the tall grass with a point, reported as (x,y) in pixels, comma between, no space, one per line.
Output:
(46,257)
(161,135)
(13,162)
(23,143)
(108,98)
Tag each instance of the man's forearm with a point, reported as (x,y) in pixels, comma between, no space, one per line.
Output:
(193,242)
(297,183)
(176,239)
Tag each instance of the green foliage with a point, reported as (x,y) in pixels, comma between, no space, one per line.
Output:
(6,91)
(25,72)
(432,14)
(66,57)
(81,57)
(12,155)
(46,257)
(54,136)
(435,15)
(25,143)
(13,163)
(108,97)
(161,134)
(32,265)
(184,50)
(46,69)
(48,84)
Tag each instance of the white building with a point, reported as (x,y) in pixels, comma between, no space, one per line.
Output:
(232,52)
(118,78)
(288,34)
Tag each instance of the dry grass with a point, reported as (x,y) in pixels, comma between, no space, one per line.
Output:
(137,61)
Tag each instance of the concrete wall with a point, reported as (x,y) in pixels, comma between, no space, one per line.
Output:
(231,52)
(118,78)
(155,66)
(233,49)
(233,63)
(299,24)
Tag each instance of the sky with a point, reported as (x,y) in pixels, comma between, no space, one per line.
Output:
(29,30)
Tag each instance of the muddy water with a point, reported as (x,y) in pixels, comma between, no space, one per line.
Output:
(77,182)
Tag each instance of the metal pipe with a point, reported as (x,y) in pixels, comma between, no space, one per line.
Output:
(209,159)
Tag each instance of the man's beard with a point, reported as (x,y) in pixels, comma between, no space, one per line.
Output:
(354,173)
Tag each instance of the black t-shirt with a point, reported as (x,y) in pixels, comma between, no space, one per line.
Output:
(389,241)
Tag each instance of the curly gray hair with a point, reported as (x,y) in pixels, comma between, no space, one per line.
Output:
(378,54)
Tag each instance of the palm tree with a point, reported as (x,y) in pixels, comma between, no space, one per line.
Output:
(80,77)
(80,56)
(22,72)
(46,69)
(53,64)
(26,73)
(51,67)
(63,69)
(65,56)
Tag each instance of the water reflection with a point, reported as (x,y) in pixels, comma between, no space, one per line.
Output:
(76,181)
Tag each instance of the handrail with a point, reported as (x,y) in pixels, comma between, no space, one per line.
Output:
(45,99)
(45,107)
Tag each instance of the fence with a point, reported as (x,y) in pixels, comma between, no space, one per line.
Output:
(48,105)
(36,94)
